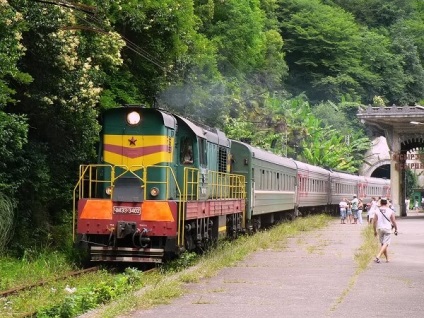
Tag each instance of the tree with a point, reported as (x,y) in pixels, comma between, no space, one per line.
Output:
(67,65)
(11,50)
(322,44)
(412,65)
(378,13)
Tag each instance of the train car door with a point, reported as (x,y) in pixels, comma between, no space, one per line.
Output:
(203,168)
(185,158)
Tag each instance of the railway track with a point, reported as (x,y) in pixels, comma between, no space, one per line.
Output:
(16,290)
(20,289)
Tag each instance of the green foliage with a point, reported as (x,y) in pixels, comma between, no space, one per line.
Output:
(322,43)
(90,297)
(11,50)
(7,211)
(290,128)
(33,266)
(411,62)
(411,183)
(13,136)
(185,260)
(378,13)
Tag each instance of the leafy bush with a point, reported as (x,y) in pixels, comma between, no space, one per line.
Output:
(88,298)
(7,207)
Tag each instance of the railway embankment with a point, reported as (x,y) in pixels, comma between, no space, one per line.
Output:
(314,275)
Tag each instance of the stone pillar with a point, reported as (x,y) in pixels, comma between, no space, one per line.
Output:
(395,174)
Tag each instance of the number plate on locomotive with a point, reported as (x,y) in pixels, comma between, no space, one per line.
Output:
(126,210)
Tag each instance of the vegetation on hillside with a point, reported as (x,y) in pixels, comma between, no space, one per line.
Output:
(286,75)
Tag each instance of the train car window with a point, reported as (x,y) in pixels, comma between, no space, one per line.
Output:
(186,150)
(262,172)
(274,181)
(278,181)
(266,180)
(269,180)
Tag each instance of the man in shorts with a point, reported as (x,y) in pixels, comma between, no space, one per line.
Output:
(383,220)
(343,207)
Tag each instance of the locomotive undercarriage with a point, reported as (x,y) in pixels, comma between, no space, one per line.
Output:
(128,246)
(266,220)
(201,234)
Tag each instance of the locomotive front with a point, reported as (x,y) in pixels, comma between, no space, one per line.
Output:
(127,209)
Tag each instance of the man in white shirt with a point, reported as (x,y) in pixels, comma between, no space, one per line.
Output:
(355,203)
(383,221)
(343,207)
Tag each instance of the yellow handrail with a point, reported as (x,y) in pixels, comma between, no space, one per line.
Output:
(218,185)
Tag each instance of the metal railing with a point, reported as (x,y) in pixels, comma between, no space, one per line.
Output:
(218,185)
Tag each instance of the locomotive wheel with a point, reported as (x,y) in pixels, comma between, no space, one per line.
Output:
(256,225)
(82,251)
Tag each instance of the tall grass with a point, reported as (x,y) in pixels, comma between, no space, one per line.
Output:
(362,258)
(368,249)
(25,271)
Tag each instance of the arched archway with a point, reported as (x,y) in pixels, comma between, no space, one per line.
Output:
(403,128)
(382,171)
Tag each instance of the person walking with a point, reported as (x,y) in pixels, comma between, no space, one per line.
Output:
(349,212)
(343,207)
(354,204)
(384,220)
(360,210)
(372,209)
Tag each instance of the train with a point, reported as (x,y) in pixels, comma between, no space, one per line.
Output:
(164,184)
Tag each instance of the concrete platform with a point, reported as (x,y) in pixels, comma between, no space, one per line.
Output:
(314,275)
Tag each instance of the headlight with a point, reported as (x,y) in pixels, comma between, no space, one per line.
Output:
(133,118)
(154,192)
(108,190)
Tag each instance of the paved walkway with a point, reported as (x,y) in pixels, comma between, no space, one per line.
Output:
(314,276)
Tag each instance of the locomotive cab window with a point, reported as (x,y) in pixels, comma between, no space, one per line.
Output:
(186,150)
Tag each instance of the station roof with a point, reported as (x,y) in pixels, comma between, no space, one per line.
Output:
(403,119)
